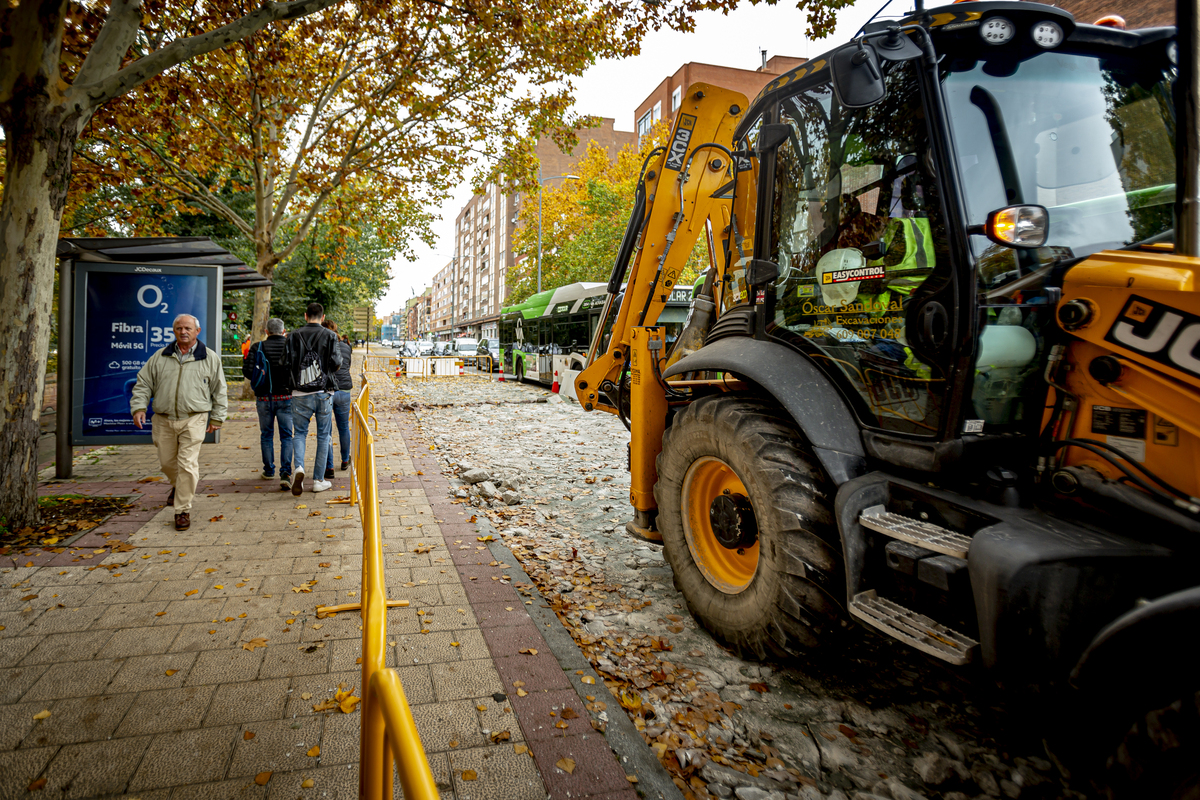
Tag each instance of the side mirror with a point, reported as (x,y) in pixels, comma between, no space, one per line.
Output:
(1023,226)
(857,79)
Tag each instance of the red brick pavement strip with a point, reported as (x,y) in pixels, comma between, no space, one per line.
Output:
(597,774)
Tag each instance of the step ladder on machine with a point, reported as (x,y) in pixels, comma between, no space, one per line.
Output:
(893,619)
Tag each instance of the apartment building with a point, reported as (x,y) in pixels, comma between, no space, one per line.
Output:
(667,97)
(469,292)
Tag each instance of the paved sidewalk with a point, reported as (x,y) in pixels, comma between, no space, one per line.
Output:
(139,641)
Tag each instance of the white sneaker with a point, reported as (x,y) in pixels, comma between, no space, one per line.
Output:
(322,486)
(298,483)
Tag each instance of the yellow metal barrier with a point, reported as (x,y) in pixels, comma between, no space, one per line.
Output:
(388,732)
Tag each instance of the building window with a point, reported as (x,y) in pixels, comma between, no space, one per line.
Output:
(645,123)
(676,98)
(658,111)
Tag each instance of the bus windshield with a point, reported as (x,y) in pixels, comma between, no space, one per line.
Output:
(1091,138)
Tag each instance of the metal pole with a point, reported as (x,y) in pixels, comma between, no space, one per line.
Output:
(62,410)
(1187,134)
(539,228)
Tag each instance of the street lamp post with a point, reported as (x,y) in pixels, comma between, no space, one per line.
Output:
(541,181)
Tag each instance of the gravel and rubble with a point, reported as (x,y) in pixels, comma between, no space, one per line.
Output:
(871,720)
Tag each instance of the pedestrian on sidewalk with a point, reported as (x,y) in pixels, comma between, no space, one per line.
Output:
(187,384)
(341,403)
(313,358)
(271,380)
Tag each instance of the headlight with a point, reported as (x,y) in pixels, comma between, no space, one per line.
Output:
(1047,34)
(997,30)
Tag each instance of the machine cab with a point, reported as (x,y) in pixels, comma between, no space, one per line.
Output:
(896,220)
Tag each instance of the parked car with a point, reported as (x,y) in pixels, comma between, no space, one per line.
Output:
(488,347)
(466,348)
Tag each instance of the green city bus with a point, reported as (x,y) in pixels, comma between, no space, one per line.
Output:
(550,332)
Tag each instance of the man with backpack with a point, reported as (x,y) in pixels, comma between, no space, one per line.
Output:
(264,366)
(313,359)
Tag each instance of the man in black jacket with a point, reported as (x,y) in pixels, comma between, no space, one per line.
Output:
(313,359)
(271,380)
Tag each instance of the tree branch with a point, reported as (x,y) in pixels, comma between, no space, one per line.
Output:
(99,89)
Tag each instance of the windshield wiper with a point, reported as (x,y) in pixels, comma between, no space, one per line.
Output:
(1166,236)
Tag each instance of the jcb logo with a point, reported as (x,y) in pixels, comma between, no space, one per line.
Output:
(1165,334)
(679,144)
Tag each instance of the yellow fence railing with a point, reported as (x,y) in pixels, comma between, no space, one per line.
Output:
(388,732)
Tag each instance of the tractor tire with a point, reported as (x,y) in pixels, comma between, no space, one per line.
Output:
(1157,755)
(776,597)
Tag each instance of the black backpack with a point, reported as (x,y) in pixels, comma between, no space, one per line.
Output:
(311,375)
(260,371)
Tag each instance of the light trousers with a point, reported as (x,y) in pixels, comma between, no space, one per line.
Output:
(178,442)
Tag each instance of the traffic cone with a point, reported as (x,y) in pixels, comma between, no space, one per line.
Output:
(460,369)
(554,388)
(502,372)
(397,369)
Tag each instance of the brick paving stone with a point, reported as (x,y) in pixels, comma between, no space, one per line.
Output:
(81,719)
(138,641)
(21,768)
(237,703)
(537,721)
(166,710)
(511,640)
(225,666)
(72,679)
(277,745)
(16,721)
(94,768)
(502,774)
(466,679)
(141,673)
(596,768)
(540,673)
(75,646)
(186,757)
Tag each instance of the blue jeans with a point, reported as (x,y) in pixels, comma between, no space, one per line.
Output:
(304,408)
(341,414)
(271,412)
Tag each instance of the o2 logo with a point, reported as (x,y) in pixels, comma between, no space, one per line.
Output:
(150,296)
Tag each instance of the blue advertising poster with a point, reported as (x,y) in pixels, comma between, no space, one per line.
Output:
(123,315)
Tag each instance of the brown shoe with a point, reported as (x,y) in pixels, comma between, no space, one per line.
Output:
(171,497)
(183,521)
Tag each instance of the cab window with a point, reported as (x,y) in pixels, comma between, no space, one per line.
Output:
(857,232)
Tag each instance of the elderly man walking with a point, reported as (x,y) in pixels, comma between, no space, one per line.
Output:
(187,385)
(313,358)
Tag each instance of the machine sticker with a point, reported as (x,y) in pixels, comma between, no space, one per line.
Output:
(679,144)
(857,274)
(1129,423)
(1166,432)
(973,426)
(1159,332)
(806,290)
(1134,448)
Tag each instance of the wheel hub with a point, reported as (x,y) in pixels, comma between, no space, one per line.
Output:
(732,519)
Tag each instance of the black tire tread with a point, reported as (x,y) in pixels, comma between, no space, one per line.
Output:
(784,611)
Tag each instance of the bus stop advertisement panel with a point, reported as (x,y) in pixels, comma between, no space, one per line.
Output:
(123,315)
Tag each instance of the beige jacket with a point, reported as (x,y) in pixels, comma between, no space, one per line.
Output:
(195,386)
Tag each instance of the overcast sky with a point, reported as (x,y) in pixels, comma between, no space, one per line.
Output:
(614,89)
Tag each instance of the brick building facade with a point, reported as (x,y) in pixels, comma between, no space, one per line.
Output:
(468,293)
(664,101)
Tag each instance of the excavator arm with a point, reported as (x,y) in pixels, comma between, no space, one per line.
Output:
(680,185)
(682,196)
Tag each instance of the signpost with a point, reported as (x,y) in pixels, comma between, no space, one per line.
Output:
(123,314)
(362,320)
